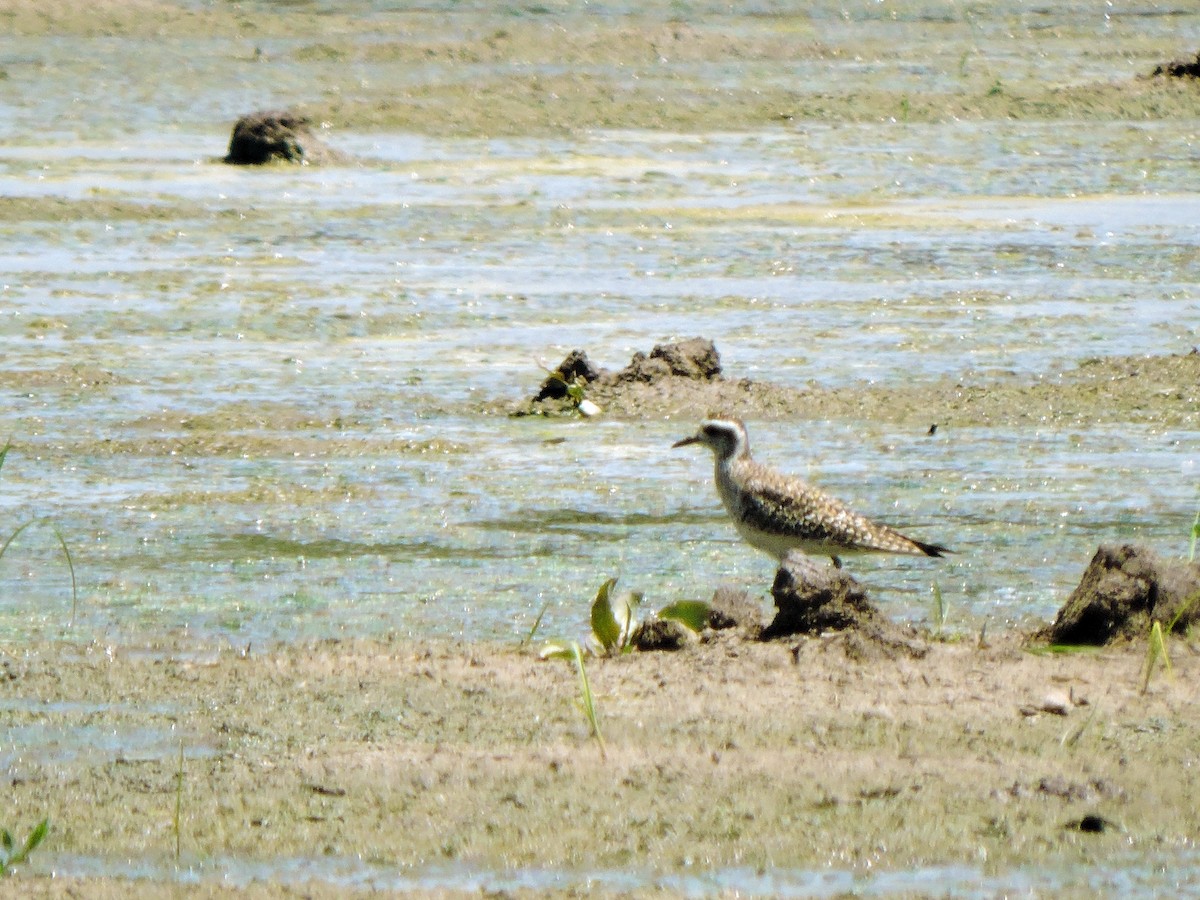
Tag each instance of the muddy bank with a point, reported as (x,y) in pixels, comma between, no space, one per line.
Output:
(1162,390)
(407,756)
(552,69)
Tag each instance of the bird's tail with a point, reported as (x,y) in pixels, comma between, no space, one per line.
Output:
(932,549)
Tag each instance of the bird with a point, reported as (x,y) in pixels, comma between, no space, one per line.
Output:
(779,513)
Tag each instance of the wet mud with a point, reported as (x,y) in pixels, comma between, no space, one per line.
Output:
(409,756)
(1158,389)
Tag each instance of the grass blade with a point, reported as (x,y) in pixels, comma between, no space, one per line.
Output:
(178,801)
(589,702)
(1157,648)
(62,542)
(12,537)
(536,624)
(939,609)
(71,566)
(35,837)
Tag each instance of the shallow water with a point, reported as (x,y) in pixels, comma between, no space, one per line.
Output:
(251,401)
(254,411)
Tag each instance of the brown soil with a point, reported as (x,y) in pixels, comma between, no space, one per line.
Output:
(1163,390)
(807,754)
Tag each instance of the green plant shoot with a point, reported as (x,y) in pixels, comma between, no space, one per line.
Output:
(10,854)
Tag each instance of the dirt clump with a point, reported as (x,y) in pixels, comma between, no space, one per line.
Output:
(814,599)
(1178,68)
(277,136)
(735,608)
(662,634)
(1123,590)
(695,359)
(674,365)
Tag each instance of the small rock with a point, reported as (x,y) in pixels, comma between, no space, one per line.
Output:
(1091,824)
(1057,703)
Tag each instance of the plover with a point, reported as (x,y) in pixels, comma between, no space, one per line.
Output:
(777,513)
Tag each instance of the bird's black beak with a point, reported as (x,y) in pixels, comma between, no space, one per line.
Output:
(694,439)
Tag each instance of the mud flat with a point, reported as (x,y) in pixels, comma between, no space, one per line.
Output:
(1161,390)
(404,758)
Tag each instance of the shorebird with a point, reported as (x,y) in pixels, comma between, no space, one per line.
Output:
(778,513)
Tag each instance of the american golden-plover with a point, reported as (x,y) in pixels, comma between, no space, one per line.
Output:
(777,513)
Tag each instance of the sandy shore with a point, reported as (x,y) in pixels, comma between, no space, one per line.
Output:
(821,754)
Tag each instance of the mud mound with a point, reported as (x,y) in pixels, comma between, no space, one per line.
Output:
(815,598)
(669,367)
(1124,589)
(1179,68)
(269,136)
(685,381)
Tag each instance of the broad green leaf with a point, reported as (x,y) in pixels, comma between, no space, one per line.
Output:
(605,624)
(692,614)
(35,837)
(557,650)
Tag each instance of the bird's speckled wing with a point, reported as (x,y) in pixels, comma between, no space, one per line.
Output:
(779,504)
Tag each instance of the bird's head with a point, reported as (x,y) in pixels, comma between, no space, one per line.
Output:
(726,438)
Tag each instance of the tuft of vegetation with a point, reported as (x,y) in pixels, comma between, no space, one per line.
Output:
(1195,536)
(62,542)
(11,855)
(614,625)
(615,622)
